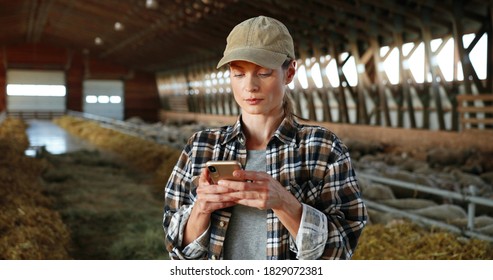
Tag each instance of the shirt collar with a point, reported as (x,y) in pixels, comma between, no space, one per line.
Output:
(286,132)
(234,131)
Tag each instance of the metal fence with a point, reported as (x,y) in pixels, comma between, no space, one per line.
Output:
(468,198)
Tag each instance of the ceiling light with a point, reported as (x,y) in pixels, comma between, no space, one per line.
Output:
(119,26)
(151,4)
(98,41)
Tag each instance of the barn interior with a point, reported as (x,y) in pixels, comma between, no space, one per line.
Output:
(97,99)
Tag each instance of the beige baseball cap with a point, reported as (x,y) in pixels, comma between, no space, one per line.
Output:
(261,40)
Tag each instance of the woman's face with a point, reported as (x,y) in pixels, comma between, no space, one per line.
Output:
(259,90)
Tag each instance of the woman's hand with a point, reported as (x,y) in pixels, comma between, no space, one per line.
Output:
(260,190)
(212,197)
(257,189)
(209,199)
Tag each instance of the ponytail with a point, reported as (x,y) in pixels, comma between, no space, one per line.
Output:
(287,103)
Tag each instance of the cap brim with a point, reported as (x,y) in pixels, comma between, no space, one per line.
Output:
(264,58)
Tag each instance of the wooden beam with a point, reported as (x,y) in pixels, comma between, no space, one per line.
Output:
(406,89)
(31,20)
(41,20)
(457,32)
(361,110)
(343,109)
(489,50)
(382,23)
(382,106)
(430,59)
(412,19)
(323,92)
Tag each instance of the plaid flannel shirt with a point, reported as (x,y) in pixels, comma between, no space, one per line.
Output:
(309,161)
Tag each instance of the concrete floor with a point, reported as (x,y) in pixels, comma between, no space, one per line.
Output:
(54,139)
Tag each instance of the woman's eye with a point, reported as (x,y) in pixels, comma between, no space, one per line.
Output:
(264,74)
(238,74)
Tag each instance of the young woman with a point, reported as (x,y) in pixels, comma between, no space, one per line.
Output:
(297,196)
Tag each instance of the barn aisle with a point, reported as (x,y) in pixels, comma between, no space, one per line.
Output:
(111,210)
(54,139)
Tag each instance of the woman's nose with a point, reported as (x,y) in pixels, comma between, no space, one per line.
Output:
(251,84)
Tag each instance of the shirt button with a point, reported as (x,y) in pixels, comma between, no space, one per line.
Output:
(213,257)
(242,141)
(222,224)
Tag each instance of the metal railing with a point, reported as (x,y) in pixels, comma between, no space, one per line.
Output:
(467,197)
(123,126)
(43,115)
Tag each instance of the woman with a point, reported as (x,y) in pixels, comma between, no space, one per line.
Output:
(297,196)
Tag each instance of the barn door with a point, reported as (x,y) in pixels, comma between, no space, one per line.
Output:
(104,98)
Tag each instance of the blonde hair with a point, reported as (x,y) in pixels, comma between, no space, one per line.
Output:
(287,106)
(287,103)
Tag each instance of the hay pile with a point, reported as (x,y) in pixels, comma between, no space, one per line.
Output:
(402,240)
(29,229)
(111,211)
(142,154)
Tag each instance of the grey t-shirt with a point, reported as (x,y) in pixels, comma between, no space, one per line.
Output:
(246,237)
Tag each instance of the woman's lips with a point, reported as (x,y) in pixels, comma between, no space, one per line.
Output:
(253,101)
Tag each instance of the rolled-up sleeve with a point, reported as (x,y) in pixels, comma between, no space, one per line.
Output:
(334,219)
(312,234)
(174,235)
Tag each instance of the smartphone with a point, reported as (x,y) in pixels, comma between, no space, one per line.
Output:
(223,170)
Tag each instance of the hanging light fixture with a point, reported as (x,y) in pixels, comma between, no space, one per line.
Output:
(151,4)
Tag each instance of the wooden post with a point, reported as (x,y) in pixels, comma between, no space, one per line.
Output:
(343,110)
(295,96)
(404,81)
(3,80)
(489,48)
(458,32)
(362,113)
(322,92)
(308,92)
(430,59)
(382,97)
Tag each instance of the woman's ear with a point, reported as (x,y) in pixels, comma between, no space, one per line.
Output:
(291,71)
